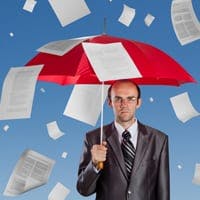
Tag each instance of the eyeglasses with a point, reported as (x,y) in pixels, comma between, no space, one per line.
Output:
(128,100)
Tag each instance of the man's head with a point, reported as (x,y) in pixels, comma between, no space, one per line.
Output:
(124,97)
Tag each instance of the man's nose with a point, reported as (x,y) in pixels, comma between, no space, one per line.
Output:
(124,102)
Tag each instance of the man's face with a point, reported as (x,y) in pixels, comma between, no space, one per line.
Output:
(124,101)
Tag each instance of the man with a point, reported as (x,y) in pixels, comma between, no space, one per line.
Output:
(146,176)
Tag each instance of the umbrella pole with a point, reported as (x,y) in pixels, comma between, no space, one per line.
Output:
(102,97)
(100,164)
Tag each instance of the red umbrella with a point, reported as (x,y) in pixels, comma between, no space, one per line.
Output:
(156,67)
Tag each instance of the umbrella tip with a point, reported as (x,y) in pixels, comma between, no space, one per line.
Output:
(104,25)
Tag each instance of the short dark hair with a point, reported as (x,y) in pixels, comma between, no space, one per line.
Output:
(124,80)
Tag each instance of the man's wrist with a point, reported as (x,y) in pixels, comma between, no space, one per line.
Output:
(95,167)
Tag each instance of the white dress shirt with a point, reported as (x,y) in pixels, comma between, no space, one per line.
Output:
(133,130)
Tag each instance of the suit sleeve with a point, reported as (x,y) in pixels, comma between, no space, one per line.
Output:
(163,190)
(87,176)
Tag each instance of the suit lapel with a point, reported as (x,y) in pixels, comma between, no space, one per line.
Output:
(142,145)
(112,138)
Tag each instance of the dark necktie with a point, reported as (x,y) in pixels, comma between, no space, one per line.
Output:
(128,151)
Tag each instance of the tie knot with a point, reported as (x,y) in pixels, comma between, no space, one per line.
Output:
(126,135)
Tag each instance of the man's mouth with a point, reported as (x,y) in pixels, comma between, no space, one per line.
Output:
(124,111)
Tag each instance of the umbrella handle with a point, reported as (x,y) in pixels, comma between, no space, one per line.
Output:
(100,165)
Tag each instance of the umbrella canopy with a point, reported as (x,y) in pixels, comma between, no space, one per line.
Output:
(155,66)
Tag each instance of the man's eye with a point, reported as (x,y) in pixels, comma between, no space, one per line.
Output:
(128,99)
(118,99)
(131,98)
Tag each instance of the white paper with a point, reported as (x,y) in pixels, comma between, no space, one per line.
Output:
(180,167)
(127,15)
(183,107)
(149,19)
(85,103)
(32,170)
(18,92)
(42,90)
(61,47)
(151,99)
(54,131)
(64,154)
(59,192)
(196,178)
(29,5)
(185,22)
(110,61)
(11,34)
(69,11)
(6,127)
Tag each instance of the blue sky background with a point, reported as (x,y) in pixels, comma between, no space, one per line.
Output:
(32,30)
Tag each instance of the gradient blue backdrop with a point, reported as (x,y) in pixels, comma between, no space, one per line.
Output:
(32,30)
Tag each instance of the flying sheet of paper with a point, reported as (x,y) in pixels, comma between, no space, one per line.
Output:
(149,19)
(61,47)
(184,21)
(110,61)
(85,103)
(54,131)
(29,5)
(183,107)
(69,11)
(18,92)
(180,167)
(42,90)
(127,15)
(64,154)
(11,34)
(196,178)
(6,127)
(32,170)
(59,192)
(151,99)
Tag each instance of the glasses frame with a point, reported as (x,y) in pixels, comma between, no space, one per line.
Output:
(128,100)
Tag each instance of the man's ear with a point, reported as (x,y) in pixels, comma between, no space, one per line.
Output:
(139,103)
(109,102)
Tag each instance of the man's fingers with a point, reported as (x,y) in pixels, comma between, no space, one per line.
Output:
(104,143)
(99,147)
(99,152)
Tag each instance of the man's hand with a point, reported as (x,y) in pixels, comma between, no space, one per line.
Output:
(99,153)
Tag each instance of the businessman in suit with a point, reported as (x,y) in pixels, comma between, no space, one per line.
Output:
(146,176)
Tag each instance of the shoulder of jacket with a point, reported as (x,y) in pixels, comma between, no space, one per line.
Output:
(96,132)
(152,130)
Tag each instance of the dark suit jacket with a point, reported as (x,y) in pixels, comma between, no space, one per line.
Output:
(150,174)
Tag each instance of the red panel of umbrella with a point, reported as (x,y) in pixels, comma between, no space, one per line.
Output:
(156,67)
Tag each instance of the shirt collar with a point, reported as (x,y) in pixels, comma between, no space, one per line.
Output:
(133,129)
